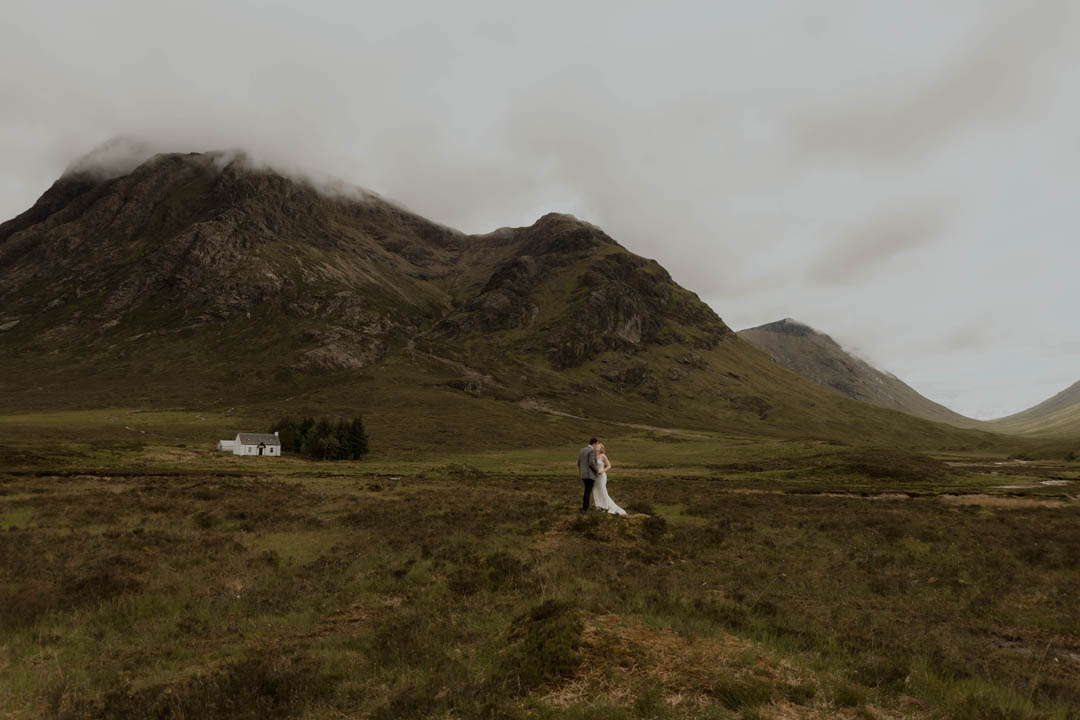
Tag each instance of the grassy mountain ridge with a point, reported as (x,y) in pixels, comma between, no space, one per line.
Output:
(1058,415)
(200,281)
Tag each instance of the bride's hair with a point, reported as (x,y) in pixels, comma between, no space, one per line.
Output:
(601,447)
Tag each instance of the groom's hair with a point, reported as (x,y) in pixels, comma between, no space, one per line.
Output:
(593,441)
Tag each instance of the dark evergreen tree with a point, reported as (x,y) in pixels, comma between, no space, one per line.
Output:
(333,448)
(305,425)
(357,439)
(340,450)
(288,431)
(322,439)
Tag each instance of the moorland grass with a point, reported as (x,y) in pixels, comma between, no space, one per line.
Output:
(169,581)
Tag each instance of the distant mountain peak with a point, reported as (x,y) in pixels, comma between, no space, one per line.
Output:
(787,326)
(558,217)
(794,328)
(817,357)
(122,155)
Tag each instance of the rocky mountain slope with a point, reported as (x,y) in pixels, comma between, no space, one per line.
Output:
(203,281)
(817,356)
(1059,415)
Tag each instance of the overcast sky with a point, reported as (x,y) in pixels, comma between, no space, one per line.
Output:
(900,175)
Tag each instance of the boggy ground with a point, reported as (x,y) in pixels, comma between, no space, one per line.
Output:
(168,582)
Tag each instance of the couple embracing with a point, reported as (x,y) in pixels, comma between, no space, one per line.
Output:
(593,465)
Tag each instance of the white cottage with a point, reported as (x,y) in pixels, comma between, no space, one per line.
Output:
(252,444)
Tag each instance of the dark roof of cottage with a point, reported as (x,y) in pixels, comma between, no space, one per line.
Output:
(256,438)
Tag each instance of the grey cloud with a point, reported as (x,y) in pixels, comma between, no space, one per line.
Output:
(993,79)
(975,336)
(874,243)
(113,158)
(1061,347)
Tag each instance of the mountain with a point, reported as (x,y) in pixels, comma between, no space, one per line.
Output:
(817,356)
(201,280)
(1060,415)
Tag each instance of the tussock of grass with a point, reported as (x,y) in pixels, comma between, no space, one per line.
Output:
(736,693)
(275,683)
(968,698)
(453,471)
(546,644)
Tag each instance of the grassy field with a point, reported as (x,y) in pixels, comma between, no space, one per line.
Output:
(143,575)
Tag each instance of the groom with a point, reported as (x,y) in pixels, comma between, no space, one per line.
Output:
(588,470)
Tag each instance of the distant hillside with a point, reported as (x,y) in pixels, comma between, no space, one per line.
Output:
(1060,415)
(201,281)
(817,356)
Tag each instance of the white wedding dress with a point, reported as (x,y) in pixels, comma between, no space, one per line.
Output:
(600,497)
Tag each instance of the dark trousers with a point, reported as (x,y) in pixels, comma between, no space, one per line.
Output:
(588,493)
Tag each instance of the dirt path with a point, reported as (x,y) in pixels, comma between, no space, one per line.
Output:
(537,406)
(997,501)
(551,539)
(557,533)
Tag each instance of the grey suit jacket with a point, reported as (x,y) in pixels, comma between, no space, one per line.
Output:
(586,463)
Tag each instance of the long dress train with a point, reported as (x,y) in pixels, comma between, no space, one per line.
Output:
(601,499)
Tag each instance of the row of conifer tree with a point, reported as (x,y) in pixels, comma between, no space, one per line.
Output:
(323,439)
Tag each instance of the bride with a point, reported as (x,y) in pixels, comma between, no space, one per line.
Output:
(600,496)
